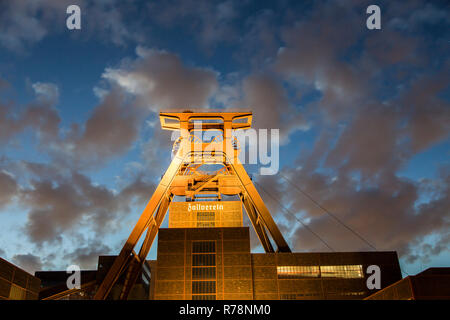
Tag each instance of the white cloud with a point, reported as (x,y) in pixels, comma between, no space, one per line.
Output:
(46,90)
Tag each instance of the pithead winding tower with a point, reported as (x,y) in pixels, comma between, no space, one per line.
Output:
(184,178)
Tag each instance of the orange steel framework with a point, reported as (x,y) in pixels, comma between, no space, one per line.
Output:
(184,178)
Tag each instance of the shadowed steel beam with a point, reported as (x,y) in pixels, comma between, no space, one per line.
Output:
(136,264)
(121,260)
(260,231)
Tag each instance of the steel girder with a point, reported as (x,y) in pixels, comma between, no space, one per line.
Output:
(128,262)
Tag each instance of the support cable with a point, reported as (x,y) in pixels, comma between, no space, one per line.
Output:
(295,217)
(334,217)
(329,213)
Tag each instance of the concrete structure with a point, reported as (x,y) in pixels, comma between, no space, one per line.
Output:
(17,284)
(431,284)
(216,263)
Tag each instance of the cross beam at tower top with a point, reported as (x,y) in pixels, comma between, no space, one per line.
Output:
(213,119)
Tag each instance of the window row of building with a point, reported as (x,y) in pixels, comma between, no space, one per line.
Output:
(341,271)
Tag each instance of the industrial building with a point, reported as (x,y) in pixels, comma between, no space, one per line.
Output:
(431,284)
(17,284)
(216,263)
(205,252)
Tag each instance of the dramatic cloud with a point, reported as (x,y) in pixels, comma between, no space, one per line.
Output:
(375,126)
(367,133)
(429,122)
(386,215)
(312,56)
(356,105)
(8,188)
(39,115)
(87,256)
(28,262)
(110,130)
(23,24)
(59,204)
(267,99)
(161,81)
(210,21)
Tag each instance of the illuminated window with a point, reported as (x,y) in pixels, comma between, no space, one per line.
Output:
(298,272)
(293,272)
(204,270)
(206,219)
(348,272)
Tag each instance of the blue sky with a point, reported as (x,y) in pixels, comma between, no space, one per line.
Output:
(363,115)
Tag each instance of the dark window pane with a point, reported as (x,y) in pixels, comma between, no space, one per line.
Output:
(203,247)
(203,287)
(203,273)
(203,260)
(203,297)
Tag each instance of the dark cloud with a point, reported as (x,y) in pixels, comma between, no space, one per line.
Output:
(272,109)
(87,256)
(8,188)
(66,202)
(385,214)
(156,152)
(115,21)
(160,80)
(312,55)
(28,262)
(367,132)
(370,143)
(40,116)
(210,21)
(23,24)
(429,120)
(379,102)
(110,130)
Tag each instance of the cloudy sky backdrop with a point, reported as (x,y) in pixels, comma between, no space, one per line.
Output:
(364,117)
